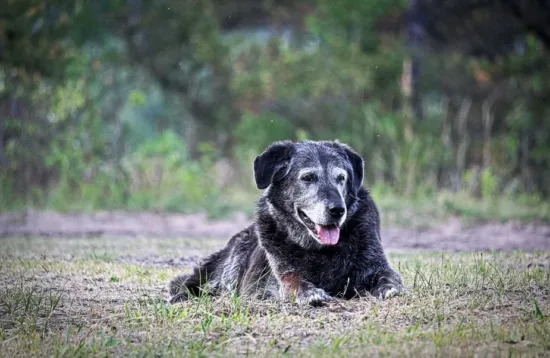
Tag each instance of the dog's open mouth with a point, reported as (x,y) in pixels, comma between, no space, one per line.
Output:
(328,235)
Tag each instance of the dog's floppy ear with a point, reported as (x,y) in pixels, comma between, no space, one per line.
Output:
(357,166)
(272,164)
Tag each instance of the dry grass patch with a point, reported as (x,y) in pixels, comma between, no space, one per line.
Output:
(100,297)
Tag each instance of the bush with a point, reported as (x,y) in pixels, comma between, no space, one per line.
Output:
(158,176)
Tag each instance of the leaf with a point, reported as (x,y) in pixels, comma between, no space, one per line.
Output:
(137,98)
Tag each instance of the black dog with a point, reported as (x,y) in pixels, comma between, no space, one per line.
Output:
(316,233)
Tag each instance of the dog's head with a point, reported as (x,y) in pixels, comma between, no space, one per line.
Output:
(312,183)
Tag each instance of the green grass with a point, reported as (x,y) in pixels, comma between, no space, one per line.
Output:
(422,211)
(106,297)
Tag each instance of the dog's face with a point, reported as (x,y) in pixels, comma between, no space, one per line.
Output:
(313,183)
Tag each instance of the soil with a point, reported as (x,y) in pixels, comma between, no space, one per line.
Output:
(450,235)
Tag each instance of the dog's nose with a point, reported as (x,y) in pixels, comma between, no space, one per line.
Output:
(337,211)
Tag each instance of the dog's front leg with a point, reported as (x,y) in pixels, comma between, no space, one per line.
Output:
(285,266)
(303,292)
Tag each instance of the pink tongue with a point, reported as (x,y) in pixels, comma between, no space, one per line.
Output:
(328,235)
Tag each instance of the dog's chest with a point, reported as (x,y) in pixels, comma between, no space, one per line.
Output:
(334,272)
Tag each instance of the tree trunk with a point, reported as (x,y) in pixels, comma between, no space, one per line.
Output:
(2,126)
(524,166)
(488,120)
(463,141)
(416,42)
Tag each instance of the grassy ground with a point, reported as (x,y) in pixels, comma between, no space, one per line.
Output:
(424,211)
(102,297)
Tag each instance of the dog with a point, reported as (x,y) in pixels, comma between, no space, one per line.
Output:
(316,233)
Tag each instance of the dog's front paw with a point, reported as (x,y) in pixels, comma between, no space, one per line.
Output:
(313,297)
(388,290)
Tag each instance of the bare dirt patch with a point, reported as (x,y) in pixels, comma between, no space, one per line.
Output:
(449,235)
(454,235)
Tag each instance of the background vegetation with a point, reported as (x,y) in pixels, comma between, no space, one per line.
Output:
(162,105)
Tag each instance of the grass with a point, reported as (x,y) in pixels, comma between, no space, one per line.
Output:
(102,297)
(423,210)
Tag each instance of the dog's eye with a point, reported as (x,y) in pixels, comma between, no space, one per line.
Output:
(309,177)
(341,178)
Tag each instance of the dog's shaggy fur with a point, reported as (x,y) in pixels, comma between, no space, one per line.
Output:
(316,233)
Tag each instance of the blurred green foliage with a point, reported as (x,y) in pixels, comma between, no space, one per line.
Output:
(137,104)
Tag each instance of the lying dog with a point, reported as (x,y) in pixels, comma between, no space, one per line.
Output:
(316,233)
